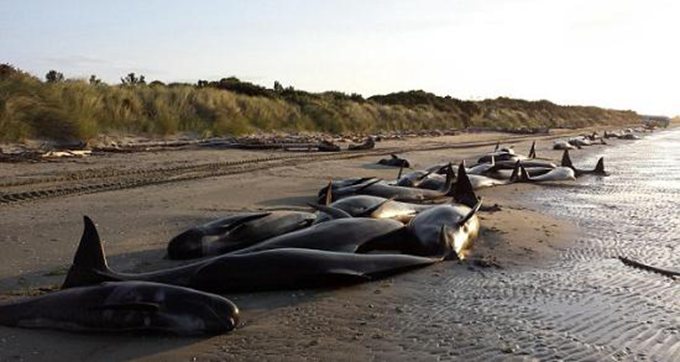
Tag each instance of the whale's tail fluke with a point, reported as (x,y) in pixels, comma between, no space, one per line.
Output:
(89,264)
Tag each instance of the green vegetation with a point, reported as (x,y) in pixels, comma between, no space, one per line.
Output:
(67,109)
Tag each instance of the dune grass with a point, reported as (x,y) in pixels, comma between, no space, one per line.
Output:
(77,109)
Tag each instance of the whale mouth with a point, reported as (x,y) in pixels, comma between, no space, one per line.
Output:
(232,323)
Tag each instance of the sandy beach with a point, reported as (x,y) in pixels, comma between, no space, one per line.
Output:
(140,200)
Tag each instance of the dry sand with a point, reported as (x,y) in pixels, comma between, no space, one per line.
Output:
(361,322)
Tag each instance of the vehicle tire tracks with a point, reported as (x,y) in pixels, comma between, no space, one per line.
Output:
(111,179)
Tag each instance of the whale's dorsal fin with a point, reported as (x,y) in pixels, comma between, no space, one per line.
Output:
(599,168)
(401,170)
(566,160)
(329,193)
(532,151)
(89,264)
(462,191)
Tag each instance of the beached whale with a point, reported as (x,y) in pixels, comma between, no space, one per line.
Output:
(629,136)
(536,162)
(556,174)
(414,178)
(626,134)
(507,154)
(394,161)
(598,170)
(375,207)
(507,174)
(462,191)
(341,235)
(447,230)
(288,268)
(432,181)
(579,142)
(486,179)
(564,145)
(433,178)
(339,184)
(236,232)
(130,306)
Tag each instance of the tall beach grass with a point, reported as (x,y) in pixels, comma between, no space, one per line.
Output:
(77,109)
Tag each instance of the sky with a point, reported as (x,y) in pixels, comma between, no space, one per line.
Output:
(620,54)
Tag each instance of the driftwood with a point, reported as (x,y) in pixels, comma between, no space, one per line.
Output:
(323,146)
(366,145)
(653,269)
(66,153)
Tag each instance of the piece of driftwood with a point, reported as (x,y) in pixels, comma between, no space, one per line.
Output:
(653,269)
(368,144)
(66,153)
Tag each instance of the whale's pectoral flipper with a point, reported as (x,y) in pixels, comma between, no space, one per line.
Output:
(369,184)
(333,212)
(523,174)
(470,214)
(89,264)
(376,209)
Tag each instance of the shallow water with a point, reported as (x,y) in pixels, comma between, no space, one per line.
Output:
(586,305)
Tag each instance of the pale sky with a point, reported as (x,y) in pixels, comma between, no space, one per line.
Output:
(620,54)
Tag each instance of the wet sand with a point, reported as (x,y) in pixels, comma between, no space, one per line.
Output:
(448,310)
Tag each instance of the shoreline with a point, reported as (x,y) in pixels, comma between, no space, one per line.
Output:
(328,324)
